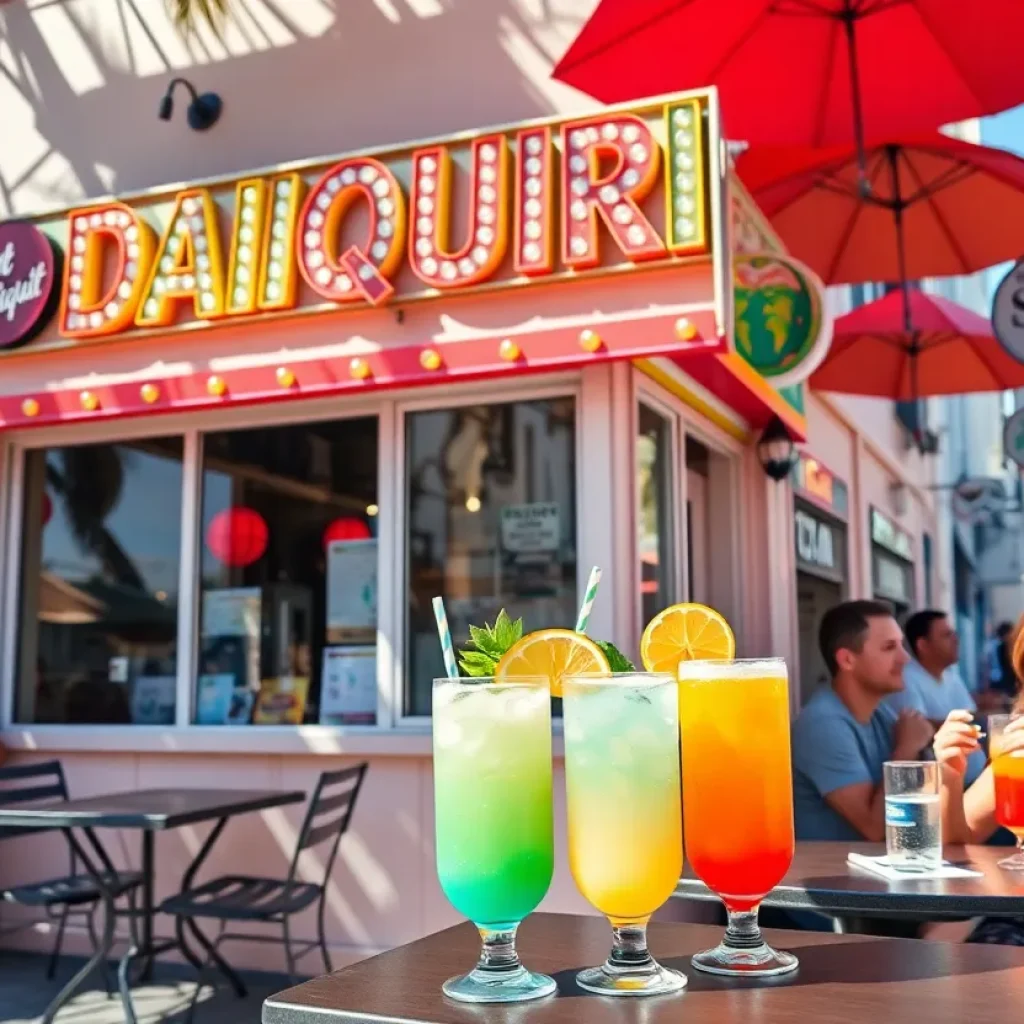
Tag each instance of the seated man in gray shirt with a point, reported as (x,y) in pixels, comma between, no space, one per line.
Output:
(845,732)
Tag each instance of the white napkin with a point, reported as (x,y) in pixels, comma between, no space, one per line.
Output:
(881,866)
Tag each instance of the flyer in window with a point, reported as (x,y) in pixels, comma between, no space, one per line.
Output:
(219,701)
(153,699)
(281,701)
(234,611)
(348,689)
(352,591)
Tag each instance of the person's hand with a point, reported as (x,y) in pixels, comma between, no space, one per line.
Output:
(956,740)
(911,735)
(1012,738)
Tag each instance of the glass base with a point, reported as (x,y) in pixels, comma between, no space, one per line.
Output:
(1013,863)
(484,986)
(653,980)
(757,962)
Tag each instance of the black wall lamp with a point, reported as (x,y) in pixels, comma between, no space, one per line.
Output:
(203,112)
(776,451)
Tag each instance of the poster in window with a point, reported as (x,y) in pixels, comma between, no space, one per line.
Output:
(234,611)
(231,635)
(281,701)
(153,700)
(352,591)
(220,702)
(348,691)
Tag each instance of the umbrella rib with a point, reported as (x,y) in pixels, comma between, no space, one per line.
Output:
(849,228)
(766,12)
(940,219)
(959,171)
(964,79)
(822,111)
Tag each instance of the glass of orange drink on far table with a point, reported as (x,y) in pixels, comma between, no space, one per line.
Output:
(736,777)
(1008,773)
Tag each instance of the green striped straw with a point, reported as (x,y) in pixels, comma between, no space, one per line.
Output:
(588,600)
(447,649)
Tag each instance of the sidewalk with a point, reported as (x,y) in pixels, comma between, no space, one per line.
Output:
(25,993)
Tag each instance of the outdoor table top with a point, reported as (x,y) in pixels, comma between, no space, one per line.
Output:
(147,809)
(841,978)
(820,879)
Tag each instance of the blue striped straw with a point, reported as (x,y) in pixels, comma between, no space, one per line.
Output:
(588,600)
(447,649)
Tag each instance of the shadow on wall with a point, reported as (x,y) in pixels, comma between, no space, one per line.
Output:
(81,80)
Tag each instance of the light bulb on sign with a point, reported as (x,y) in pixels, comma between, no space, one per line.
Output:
(472,503)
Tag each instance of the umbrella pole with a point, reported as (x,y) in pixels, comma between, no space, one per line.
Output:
(849,19)
(898,208)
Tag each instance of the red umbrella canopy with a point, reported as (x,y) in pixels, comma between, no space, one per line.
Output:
(956,207)
(950,351)
(783,67)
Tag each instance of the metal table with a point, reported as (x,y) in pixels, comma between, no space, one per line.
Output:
(821,880)
(842,979)
(148,811)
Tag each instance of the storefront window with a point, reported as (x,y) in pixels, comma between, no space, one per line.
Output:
(654,532)
(491,524)
(288,616)
(98,603)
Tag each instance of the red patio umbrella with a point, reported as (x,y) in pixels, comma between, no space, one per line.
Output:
(937,206)
(948,351)
(809,72)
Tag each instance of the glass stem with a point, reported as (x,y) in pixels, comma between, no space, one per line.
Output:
(629,948)
(743,931)
(498,956)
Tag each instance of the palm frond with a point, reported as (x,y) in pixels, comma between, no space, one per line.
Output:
(187,15)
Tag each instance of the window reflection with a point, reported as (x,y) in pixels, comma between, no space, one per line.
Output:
(101,544)
(491,524)
(288,617)
(654,487)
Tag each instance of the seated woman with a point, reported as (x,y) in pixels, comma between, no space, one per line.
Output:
(969,816)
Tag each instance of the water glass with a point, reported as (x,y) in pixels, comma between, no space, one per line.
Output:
(913,817)
(494,826)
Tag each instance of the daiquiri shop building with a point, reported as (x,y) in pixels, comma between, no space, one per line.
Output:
(252,425)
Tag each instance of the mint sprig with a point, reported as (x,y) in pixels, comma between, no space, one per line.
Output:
(617,661)
(488,643)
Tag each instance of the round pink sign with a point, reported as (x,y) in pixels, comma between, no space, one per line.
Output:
(29,285)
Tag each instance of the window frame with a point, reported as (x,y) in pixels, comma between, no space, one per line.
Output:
(564,387)
(726,532)
(390,409)
(647,393)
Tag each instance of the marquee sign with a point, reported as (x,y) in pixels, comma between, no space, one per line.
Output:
(535,202)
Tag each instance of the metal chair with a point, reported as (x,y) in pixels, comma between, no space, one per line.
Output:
(76,894)
(242,898)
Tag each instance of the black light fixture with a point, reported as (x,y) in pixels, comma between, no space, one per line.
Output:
(203,112)
(776,451)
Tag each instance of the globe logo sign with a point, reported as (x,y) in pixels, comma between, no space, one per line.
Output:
(782,328)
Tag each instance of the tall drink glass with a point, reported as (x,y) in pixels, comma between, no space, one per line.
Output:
(1008,773)
(738,799)
(625,827)
(493,822)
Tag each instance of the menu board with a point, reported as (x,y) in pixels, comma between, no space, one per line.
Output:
(352,591)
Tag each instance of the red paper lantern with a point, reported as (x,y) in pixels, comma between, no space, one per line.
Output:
(346,528)
(237,536)
(47,508)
